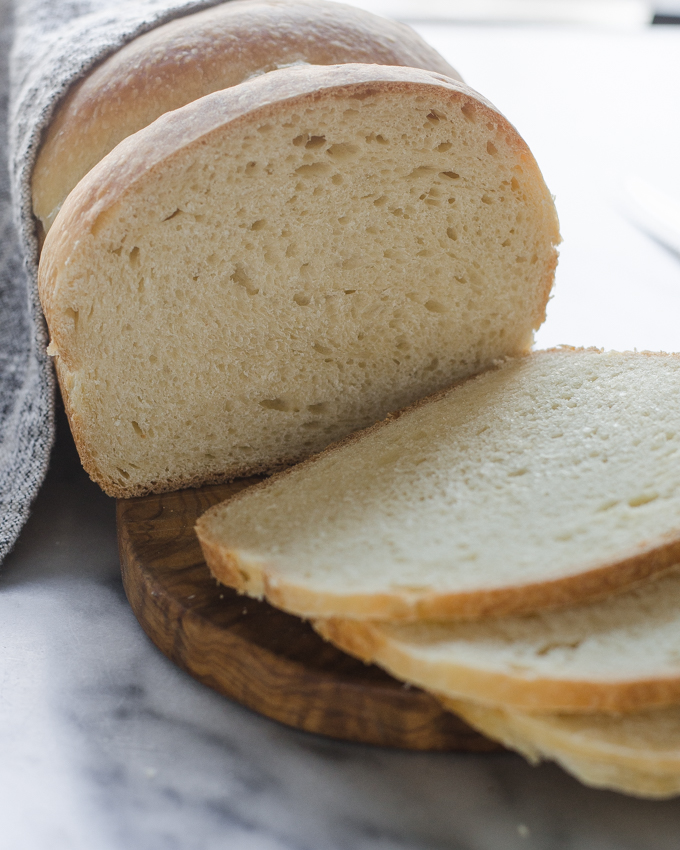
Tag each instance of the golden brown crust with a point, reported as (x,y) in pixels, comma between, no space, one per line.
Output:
(368,641)
(410,606)
(196,55)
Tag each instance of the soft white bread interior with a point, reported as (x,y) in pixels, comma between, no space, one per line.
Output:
(195,55)
(618,654)
(635,753)
(273,266)
(550,479)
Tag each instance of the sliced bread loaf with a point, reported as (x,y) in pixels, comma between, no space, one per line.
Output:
(619,654)
(275,265)
(636,753)
(195,55)
(550,479)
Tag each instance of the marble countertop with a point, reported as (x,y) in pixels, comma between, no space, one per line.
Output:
(105,744)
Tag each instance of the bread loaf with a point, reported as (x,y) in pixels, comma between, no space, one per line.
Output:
(635,753)
(273,266)
(618,654)
(188,58)
(550,479)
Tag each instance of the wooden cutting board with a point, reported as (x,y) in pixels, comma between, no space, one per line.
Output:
(272,662)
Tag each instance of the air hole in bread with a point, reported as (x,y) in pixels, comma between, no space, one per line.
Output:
(421,171)
(435,306)
(642,499)
(342,150)
(469,112)
(318,409)
(314,169)
(279,404)
(241,278)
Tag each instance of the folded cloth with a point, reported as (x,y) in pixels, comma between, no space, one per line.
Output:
(53,43)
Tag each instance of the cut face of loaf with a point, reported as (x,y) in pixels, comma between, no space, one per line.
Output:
(636,753)
(193,56)
(276,265)
(618,654)
(551,479)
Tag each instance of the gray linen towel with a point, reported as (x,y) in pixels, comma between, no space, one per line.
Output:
(53,43)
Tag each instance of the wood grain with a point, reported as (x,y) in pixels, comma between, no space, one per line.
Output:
(253,653)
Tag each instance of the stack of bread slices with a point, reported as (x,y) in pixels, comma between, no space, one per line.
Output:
(306,223)
(508,545)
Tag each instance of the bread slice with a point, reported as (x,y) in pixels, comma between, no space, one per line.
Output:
(550,479)
(636,753)
(619,654)
(195,55)
(275,265)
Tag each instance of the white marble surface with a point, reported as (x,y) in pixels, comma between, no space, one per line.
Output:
(105,744)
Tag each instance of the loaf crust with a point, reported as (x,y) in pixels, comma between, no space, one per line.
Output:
(196,55)
(147,154)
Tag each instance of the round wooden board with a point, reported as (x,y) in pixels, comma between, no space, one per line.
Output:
(255,654)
